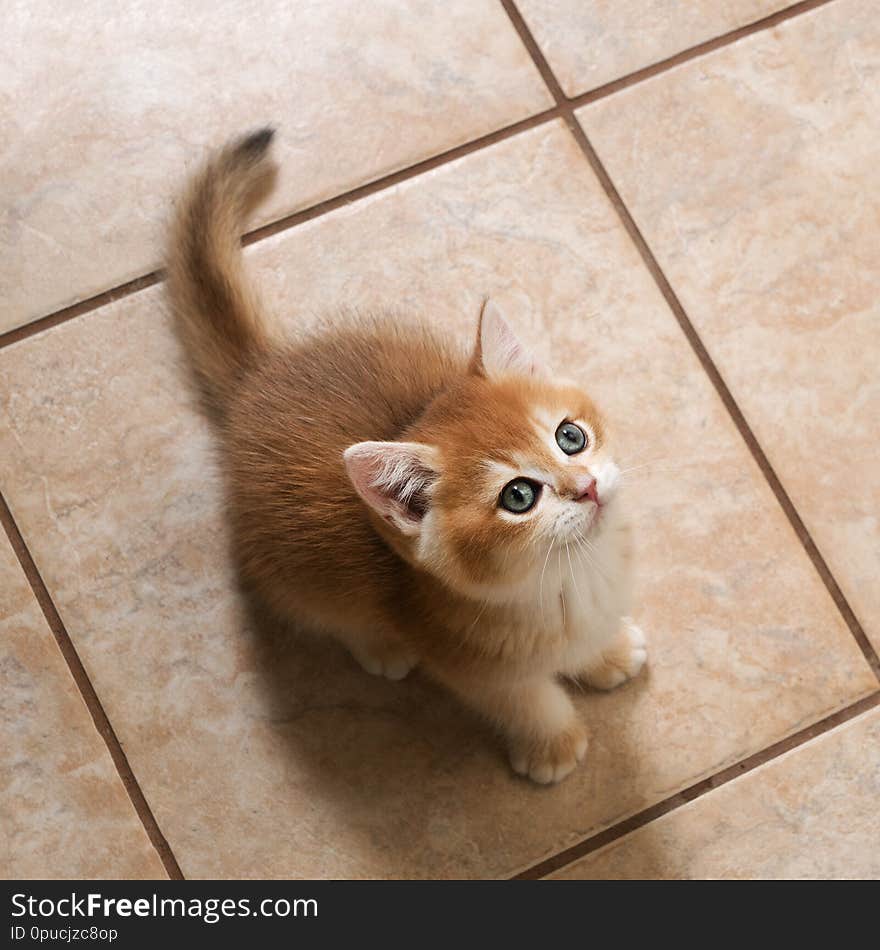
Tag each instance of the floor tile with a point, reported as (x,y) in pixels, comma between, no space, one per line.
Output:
(266,754)
(92,142)
(591,42)
(63,810)
(765,218)
(812,813)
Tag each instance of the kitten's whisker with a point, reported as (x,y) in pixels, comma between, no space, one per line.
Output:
(591,549)
(640,459)
(581,553)
(661,466)
(664,465)
(588,558)
(573,580)
(479,614)
(562,590)
(575,682)
(541,588)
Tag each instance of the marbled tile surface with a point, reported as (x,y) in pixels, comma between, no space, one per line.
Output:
(63,810)
(766,219)
(591,42)
(265,754)
(812,813)
(105,105)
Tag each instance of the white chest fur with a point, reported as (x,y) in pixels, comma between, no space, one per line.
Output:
(579,598)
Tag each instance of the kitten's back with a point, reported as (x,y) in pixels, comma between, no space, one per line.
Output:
(287,411)
(300,527)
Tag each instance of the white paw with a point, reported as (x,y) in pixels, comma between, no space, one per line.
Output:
(632,655)
(550,760)
(622,661)
(392,664)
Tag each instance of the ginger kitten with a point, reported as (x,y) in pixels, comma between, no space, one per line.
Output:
(421,505)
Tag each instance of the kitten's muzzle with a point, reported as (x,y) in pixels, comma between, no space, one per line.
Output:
(587,490)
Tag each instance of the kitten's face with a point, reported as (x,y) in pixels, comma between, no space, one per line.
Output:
(509,466)
(523,467)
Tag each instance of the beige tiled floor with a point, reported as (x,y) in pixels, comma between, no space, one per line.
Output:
(764,219)
(812,813)
(592,42)
(105,105)
(63,810)
(264,754)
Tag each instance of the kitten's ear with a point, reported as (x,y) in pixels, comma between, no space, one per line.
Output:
(393,478)
(498,350)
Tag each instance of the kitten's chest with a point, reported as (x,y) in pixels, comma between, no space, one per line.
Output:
(575,611)
(590,608)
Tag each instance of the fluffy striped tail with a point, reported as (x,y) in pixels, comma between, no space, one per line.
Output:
(215,308)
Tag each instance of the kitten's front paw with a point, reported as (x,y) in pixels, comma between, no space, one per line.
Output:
(622,661)
(391,661)
(549,760)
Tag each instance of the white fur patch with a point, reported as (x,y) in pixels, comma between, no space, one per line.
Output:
(402,477)
(607,475)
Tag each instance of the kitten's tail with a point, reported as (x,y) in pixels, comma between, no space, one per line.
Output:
(215,309)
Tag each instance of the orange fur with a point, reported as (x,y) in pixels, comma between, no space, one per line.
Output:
(363,469)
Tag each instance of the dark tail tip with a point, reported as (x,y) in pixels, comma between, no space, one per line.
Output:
(253,146)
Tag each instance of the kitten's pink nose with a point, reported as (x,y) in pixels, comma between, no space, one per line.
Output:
(588,490)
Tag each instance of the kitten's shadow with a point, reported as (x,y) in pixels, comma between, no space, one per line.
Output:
(379,766)
(371,747)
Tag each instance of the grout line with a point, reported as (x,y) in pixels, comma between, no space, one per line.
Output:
(89,696)
(404,174)
(566,111)
(388,181)
(727,398)
(287,222)
(694,52)
(76,309)
(697,790)
(540,61)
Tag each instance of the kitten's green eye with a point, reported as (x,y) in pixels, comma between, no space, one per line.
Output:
(571,438)
(519,495)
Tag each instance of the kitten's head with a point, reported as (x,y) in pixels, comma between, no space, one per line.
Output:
(503,468)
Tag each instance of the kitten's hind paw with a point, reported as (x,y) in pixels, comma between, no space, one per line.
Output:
(622,661)
(393,662)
